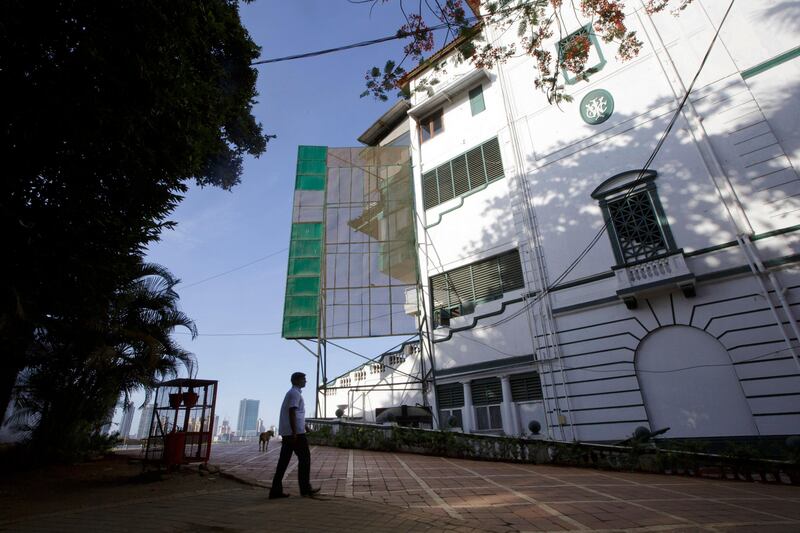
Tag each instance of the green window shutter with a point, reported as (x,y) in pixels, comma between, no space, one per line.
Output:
(443,295)
(479,282)
(486,278)
(430,190)
(445,178)
(511,271)
(491,157)
(477,172)
(450,396)
(476,103)
(486,391)
(526,387)
(460,175)
(461,282)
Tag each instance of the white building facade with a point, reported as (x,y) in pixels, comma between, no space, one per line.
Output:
(567,286)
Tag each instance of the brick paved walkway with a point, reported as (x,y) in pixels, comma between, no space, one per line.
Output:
(517,497)
(376,492)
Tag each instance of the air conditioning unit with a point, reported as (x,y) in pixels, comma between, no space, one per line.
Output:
(411,306)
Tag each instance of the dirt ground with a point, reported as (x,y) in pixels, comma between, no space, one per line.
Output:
(107,480)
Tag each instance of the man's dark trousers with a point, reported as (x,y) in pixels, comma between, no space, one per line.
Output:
(298,445)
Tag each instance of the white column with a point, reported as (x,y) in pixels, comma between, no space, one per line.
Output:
(467,412)
(510,424)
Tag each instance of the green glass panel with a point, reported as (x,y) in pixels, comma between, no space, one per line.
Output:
(303,305)
(304,285)
(304,265)
(308,166)
(305,182)
(305,248)
(306,230)
(319,153)
(299,327)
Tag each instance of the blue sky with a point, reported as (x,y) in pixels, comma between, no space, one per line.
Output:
(307,101)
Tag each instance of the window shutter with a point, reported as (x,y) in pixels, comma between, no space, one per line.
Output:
(477,173)
(460,176)
(476,103)
(494,164)
(443,295)
(479,282)
(461,283)
(450,395)
(526,387)
(486,278)
(445,178)
(486,391)
(511,271)
(430,191)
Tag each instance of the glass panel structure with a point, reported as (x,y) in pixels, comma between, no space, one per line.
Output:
(353,253)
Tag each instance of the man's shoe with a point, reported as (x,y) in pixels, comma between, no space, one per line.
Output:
(310,493)
(278,495)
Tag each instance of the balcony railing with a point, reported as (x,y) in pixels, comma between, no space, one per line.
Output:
(657,274)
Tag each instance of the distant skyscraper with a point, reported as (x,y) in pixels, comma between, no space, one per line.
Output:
(260,426)
(144,422)
(125,424)
(225,430)
(216,425)
(248,418)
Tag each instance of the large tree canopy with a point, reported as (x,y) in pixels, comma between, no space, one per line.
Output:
(536,23)
(110,109)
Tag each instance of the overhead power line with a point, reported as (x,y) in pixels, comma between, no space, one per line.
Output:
(379,40)
(235,269)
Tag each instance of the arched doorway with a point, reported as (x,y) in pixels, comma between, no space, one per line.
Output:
(689,385)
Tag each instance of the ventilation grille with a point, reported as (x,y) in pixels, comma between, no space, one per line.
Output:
(526,387)
(450,395)
(476,283)
(479,166)
(487,391)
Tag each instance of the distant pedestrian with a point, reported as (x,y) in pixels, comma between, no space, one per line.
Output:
(292,429)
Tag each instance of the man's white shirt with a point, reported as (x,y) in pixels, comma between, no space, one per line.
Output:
(292,399)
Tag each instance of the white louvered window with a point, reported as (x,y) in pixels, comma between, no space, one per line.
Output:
(455,293)
(473,169)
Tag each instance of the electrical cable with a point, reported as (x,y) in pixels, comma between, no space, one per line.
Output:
(240,267)
(379,40)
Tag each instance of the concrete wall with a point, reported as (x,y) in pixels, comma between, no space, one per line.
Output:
(712,184)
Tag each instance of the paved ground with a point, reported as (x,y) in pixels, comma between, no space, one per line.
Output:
(511,497)
(371,491)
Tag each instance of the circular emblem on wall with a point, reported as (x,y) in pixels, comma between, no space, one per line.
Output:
(596,107)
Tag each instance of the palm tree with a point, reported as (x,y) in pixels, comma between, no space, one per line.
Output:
(80,367)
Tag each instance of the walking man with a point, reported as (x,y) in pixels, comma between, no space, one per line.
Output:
(292,429)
